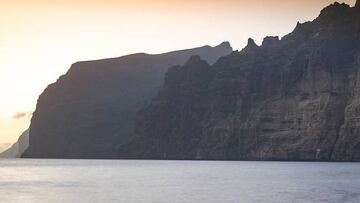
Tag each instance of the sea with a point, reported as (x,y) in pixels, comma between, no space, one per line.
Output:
(48,180)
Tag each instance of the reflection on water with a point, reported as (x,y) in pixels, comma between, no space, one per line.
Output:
(177,181)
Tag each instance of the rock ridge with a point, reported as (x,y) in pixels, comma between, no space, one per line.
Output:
(294,99)
(90,111)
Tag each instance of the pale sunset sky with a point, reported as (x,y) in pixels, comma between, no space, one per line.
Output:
(40,39)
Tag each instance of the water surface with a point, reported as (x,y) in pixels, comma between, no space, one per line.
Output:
(177,181)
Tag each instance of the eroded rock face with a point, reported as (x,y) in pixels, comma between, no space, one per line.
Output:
(348,143)
(296,98)
(91,110)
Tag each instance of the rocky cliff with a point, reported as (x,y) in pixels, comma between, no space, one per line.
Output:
(91,109)
(297,98)
(17,149)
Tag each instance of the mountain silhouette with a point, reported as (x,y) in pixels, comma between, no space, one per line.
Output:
(90,111)
(297,98)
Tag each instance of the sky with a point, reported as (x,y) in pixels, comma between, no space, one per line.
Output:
(40,39)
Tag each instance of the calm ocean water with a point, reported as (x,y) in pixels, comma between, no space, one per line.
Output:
(177,181)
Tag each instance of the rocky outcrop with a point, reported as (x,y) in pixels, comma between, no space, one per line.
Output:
(270,41)
(91,109)
(17,149)
(251,46)
(296,98)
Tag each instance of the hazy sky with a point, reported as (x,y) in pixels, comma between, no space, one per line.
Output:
(40,39)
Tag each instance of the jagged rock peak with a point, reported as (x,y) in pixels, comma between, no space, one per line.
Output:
(225,44)
(298,26)
(251,45)
(270,41)
(334,8)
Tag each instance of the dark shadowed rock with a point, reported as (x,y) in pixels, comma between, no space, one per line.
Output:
(297,98)
(91,109)
(251,46)
(270,41)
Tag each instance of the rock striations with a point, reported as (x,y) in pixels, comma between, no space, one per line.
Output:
(91,110)
(297,98)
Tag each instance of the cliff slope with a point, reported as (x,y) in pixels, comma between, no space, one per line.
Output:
(91,109)
(18,148)
(297,98)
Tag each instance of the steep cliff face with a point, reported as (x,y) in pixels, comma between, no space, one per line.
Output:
(17,149)
(90,110)
(296,98)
